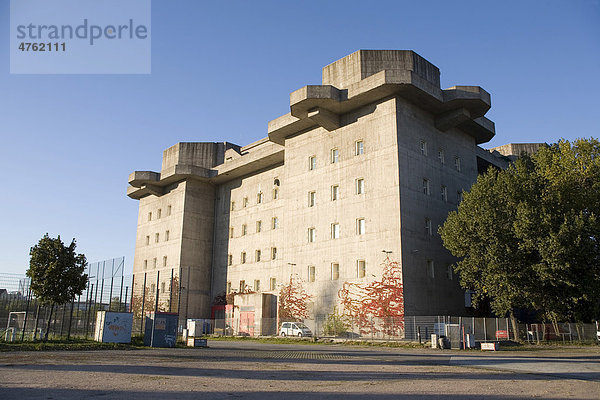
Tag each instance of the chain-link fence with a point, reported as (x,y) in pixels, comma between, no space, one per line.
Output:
(460,330)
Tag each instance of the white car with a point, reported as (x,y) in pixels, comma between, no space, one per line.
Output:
(294,329)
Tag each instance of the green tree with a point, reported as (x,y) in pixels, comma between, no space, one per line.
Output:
(528,236)
(56,272)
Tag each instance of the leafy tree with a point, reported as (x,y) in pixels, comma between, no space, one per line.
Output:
(528,236)
(56,272)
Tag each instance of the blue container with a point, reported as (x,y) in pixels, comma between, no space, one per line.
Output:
(161,329)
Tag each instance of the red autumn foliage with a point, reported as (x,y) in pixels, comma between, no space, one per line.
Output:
(378,300)
(293,301)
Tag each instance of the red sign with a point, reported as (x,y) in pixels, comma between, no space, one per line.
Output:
(501,334)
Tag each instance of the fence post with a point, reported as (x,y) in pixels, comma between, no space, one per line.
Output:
(26,314)
(125,302)
(171,291)
(70,319)
(143,304)
(155,308)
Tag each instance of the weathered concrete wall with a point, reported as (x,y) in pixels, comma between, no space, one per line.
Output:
(425,293)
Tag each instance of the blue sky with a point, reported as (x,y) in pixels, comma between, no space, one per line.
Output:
(222,70)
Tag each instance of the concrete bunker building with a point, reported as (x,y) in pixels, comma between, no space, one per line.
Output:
(371,160)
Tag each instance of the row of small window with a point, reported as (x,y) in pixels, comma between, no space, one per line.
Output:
(335,230)
(335,192)
(259,199)
(163,288)
(359,149)
(259,227)
(257,256)
(443,191)
(157,238)
(441,155)
(243,288)
(430,266)
(334,275)
(158,213)
(154,263)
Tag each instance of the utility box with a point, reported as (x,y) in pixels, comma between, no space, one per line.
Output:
(198,327)
(196,342)
(113,327)
(161,329)
(434,341)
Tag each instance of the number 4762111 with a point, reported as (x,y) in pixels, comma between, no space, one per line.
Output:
(42,46)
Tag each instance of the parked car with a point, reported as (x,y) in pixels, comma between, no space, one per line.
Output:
(294,329)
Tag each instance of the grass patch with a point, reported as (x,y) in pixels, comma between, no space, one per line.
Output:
(312,341)
(70,345)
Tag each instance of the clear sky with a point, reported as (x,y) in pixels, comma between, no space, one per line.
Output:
(222,70)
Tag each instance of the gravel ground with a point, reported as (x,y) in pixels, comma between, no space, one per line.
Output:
(264,371)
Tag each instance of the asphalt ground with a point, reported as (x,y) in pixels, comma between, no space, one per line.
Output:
(253,370)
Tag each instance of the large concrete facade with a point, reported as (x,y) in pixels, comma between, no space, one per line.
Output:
(370,161)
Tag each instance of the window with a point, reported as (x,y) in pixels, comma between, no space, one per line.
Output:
(257,285)
(259,198)
(274,222)
(444,193)
(228,287)
(258,226)
(156,237)
(312,235)
(257,255)
(430,269)
(361,268)
(311,273)
(166,236)
(154,263)
(335,155)
(159,213)
(243,257)
(272,283)
(312,163)
(245,202)
(244,229)
(147,240)
(162,287)
(149,216)
(145,264)
(164,261)
(275,194)
(360,186)
(428,230)
(426,186)
(312,199)
(449,272)
(335,192)
(360,226)
(423,147)
(359,148)
(153,288)
(441,156)
(335,271)
(168,210)
(231,232)
(229,259)
(459,196)
(242,286)
(273,253)
(335,231)
(232,206)
(457,163)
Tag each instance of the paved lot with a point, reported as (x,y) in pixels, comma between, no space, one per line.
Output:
(262,371)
